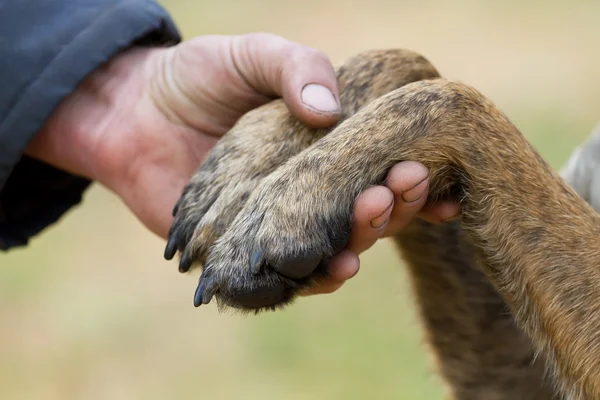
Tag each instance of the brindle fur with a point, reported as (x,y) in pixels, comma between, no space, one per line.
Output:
(509,295)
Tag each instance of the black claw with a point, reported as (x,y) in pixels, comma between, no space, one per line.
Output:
(186,262)
(204,291)
(171,248)
(198,294)
(256,261)
(177,205)
(298,267)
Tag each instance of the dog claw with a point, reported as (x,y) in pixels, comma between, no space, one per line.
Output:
(204,291)
(170,248)
(176,207)
(198,295)
(186,262)
(256,262)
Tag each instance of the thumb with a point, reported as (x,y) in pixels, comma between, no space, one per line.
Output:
(304,77)
(210,81)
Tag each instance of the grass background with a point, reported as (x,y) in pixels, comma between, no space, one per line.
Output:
(91,311)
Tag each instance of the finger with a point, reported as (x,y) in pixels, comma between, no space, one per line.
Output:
(443,211)
(372,210)
(409,182)
(324,287)
(303,76)
(341,268)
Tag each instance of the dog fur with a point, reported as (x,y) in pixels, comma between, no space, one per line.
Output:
(509,295)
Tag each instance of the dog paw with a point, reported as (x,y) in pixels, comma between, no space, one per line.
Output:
(209,203)
(279,244)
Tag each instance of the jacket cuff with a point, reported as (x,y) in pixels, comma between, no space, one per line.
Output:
(33,194)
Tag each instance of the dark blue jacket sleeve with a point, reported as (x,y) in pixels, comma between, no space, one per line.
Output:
(47,48)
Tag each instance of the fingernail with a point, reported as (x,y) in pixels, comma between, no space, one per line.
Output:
(378,222)
(320,99)
(353,274)
(415,193)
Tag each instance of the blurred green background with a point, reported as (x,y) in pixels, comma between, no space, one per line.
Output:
(91,311)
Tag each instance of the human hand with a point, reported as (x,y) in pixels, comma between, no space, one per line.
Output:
(142,125)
